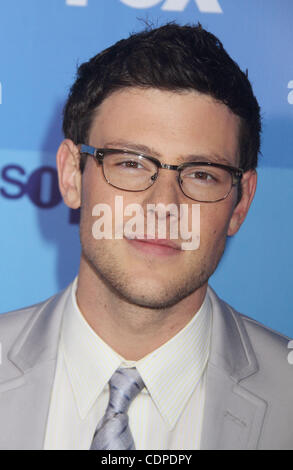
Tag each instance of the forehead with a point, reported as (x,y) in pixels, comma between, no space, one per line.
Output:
(170,124)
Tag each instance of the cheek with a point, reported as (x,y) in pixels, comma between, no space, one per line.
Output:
(95,190)
(215,223)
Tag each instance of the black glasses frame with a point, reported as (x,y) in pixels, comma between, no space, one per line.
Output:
(100,153)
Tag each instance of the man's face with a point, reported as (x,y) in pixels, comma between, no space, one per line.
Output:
(172,127)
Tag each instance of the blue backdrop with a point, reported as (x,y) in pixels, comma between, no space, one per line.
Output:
(41,43)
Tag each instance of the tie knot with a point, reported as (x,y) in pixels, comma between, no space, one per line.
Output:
(125,384)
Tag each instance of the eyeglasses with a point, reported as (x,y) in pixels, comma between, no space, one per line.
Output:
(134,171)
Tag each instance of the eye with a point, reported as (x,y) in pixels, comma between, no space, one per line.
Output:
(201,176)
(130,164)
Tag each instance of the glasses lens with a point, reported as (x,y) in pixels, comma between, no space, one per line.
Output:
(129,171)
(206,183)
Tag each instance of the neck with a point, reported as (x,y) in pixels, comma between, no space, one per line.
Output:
(130,330)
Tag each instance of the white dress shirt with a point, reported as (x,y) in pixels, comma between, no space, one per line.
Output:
(166,415)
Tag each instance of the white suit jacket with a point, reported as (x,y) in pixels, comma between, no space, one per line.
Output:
(249,388)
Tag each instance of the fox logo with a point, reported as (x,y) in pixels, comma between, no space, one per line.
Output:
(205,6)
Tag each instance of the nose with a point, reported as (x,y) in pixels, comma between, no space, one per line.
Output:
(165,189)
(162,205)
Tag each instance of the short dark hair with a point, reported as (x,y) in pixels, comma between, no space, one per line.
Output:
(174,58)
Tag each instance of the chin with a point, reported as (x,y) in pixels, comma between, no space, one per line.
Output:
(144,286)
(152,295)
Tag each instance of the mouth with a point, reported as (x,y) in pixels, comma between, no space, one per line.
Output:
(155,246)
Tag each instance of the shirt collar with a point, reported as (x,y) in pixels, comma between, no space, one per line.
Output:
(170,373)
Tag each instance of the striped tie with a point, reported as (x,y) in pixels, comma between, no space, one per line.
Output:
(114,433)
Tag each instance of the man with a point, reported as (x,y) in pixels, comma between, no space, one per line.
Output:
(138,352)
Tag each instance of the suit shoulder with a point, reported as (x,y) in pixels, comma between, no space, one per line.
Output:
(273,382)
(20,314)
(270,348)
(259,331)
(13,322)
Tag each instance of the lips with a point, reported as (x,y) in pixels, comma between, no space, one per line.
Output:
(155,245)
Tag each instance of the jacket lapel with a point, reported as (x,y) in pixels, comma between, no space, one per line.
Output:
(233,416)
(25,396)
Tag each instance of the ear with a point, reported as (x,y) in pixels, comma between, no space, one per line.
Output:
(69,175)
(248,185)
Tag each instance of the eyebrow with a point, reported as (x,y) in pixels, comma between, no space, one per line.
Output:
(151,152)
